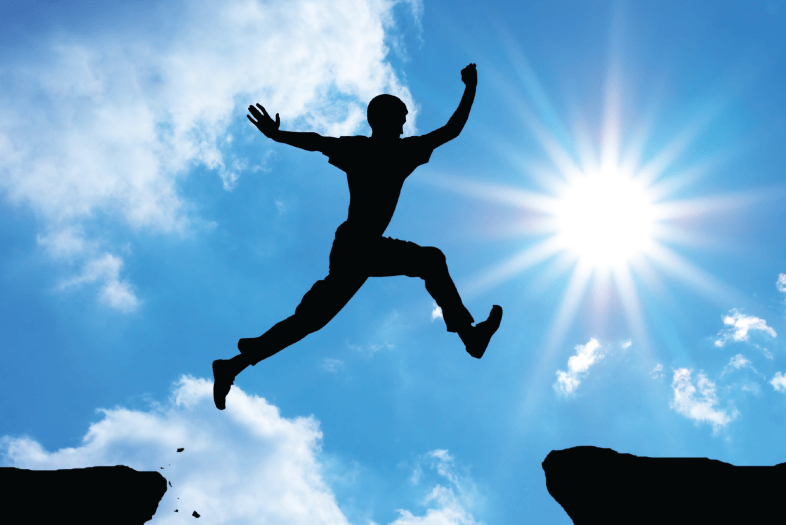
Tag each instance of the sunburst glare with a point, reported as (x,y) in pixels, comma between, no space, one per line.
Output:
(605,218)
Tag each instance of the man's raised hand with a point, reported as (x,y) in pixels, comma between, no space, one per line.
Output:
(469,75)
(263,121)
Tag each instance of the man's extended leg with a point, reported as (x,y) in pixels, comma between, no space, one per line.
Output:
(320,304)
(396,257)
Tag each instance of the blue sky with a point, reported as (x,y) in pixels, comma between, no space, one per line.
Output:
(145,226)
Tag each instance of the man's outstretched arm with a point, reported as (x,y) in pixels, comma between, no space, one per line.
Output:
(451,130)
(308,141)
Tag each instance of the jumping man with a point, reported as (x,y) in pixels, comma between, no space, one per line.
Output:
(376,168)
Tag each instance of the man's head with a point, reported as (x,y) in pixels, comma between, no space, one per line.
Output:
(386,115)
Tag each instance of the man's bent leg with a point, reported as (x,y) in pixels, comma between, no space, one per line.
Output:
(457,318)
(441,287)
(396,257)
(320,304)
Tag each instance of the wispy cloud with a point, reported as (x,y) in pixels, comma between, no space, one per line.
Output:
(755,388)
(371,349)
(105,271)
(739,326)
(332,365)
(385,335)
(416,475)
(740,362)
(698,402)
(450,504)
(65,243)
(102,128)
(657,372)
(779,382)
(578,366)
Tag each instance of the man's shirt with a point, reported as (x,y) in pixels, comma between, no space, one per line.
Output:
(376,170)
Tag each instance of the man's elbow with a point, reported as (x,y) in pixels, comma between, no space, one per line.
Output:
(452,128)
(452,133)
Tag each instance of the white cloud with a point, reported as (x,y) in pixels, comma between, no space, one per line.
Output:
(739,326)
(578,365)
(118,295)
(739,361)
(246,464)
(657,372)
(105,271)
(108,124)
(243,465)
(627,344)
(781,282)
(436,312)
(698,403)
(779,382)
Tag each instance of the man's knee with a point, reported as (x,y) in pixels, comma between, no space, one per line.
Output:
(311,315)
(434,261)
(309,321)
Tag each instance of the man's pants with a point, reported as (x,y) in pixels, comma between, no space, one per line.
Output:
(352,261)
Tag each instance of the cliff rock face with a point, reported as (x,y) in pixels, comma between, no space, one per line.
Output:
(100,495)
(599,485)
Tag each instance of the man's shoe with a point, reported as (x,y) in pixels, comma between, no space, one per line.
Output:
(482,332)
(222,382)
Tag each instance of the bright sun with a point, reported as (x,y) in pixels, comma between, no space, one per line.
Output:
(605,218)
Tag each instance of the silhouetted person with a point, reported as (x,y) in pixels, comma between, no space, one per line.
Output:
(376,168)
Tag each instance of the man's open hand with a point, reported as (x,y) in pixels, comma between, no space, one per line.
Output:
(263,121)
(469,75)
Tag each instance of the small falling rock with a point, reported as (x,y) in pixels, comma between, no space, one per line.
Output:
(175,510)
(180,449)
(195,514)
(170,483)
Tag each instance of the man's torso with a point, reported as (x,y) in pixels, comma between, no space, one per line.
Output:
(376,171)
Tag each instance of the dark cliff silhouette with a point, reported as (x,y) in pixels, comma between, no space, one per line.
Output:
(376,169)
(94,495)
(599,485)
